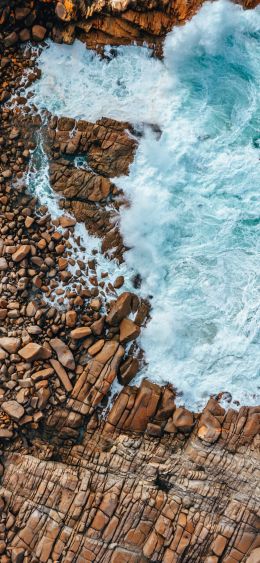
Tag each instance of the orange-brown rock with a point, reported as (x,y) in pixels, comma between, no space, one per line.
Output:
(63,352)
(120,309)
(96,379)
(34,351)
(128,330)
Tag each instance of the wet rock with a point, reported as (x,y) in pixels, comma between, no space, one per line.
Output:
(128,330)
(38,32)
(120,309)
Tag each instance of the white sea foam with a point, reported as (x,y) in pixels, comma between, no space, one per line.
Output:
(193,224)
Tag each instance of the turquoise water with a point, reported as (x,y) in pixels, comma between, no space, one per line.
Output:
(193,224)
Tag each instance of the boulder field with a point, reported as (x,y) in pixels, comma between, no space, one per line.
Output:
(85,476)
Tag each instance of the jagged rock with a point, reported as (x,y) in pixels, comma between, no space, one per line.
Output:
(63,352)
(128,330)
(38,32)
(120,309)
(13,409)
(80,332)
(34,351)
(98,376)
(21,252)
(183,420)
(10,344)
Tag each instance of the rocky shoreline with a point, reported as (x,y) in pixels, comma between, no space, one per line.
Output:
(141,480)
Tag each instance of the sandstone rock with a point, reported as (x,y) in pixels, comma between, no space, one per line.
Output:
(11,39)
(209,428)
(66,221)
(80,332)
(34,351)
(254,556)
(42,374)
(120,309)
(71,318)
(62,375)
(13,409)
(3,265)
(10,344)
(21,252)
(128,330)
(63,352)
(128,370)
(38,32)
(183,420)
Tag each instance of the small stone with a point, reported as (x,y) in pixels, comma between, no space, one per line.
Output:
(13,409)
(95,348)
(119,281)
(80,332)
(3,265)
(11,39)
(71,318)
(34,351)
(38,32)
(63,352)
(10,344)
(21,252)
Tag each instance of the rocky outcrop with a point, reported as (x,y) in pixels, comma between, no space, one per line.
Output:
(97,23)
(108,148)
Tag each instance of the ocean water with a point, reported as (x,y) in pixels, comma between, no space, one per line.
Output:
(193,223)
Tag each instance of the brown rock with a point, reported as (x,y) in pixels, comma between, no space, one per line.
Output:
(11,39)
(209,428)
(13,409)
(254,556)
(62,375)
(71,318)
(128,330)
(128,370)
(66,221)
(3,265)
(38,32)
(10,344)
(120,309)
(63,352)
(34,351)
(80,332)
(183,420)
(21,252)
(42,374)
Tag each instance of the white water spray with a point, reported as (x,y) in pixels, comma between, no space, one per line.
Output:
(193,224)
